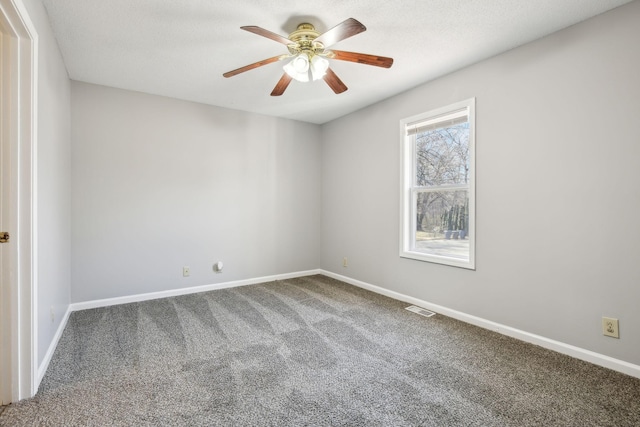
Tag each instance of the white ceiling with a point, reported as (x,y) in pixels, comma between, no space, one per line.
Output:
(181,48)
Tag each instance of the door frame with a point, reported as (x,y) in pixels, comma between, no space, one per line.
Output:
(20,61)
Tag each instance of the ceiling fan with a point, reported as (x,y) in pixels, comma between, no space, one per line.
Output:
(309,54)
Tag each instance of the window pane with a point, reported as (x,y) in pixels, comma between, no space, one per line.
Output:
(438,185)
(442,156)
(442,223)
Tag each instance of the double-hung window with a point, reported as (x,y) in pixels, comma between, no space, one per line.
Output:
(438,186)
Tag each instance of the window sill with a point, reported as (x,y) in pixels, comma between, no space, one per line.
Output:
(438,259)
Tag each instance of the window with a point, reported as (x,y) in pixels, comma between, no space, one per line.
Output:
(438,188)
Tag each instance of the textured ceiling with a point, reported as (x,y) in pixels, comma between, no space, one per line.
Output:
(181,48)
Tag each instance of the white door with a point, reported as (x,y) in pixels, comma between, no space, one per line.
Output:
(5,248)
(18,98)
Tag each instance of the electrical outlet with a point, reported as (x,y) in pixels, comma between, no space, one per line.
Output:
(53,315)
(218,266)
(186,271)
(345,262)
(610,327)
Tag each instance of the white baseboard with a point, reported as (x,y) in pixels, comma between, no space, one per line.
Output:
(560,347)
(42,369)
(184,291)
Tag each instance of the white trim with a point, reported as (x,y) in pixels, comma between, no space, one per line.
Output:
(184,291)
(570,350)
(44,365)
(408,185)
(560,347)
(24,347)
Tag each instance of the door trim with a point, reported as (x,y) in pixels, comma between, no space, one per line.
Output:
(22,137)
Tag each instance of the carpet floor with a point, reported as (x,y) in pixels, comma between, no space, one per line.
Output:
(310,351)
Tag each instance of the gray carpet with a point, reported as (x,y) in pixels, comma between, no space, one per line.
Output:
(310,351)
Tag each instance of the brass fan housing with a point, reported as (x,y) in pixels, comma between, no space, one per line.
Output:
(303,40)
(305,33)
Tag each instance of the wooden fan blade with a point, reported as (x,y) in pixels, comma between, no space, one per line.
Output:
(266,33)
(334,81)
(251,66)
(342,31)
(363,58)
(282,85)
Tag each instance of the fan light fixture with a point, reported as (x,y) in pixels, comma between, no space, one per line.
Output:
(308,55)
(305,67)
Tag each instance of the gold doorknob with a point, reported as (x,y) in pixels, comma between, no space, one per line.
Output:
(4,237)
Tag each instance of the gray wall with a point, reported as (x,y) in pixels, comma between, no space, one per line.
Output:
(557,188)
(53,182)
(159,184)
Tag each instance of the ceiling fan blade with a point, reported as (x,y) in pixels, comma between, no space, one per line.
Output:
(282,85)
(252,66)
(342,31)
(266,33)
(363,58)
(334,81)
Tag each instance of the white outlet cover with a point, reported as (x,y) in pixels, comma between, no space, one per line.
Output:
(610,327)
(218,266)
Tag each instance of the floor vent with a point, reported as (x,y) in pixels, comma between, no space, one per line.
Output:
(421,311)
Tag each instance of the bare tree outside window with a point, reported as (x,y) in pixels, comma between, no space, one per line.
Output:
(442,158)
(438,187)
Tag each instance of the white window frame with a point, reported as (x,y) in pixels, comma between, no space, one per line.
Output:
(408,189)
